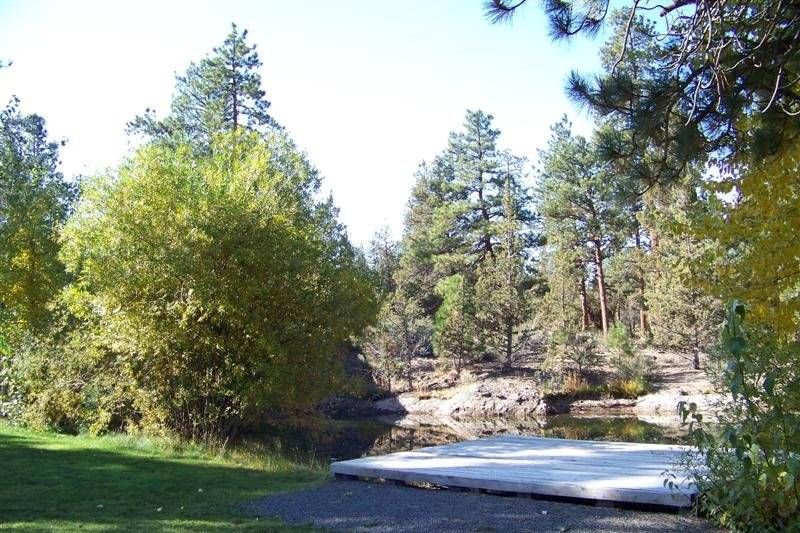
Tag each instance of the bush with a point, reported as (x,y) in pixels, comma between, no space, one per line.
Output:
(627,362)
(629,388)
(572,351)
(209,290)
(575,384)
(401,333)
(10,401)
(748,466)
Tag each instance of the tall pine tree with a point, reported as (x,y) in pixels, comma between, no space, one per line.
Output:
(500,298)
(576,191)
(220,93)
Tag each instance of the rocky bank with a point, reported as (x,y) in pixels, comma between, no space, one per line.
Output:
(487,393)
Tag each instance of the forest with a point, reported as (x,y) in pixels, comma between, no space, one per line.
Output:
(205,285)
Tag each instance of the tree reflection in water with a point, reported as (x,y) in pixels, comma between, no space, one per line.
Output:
(323,440)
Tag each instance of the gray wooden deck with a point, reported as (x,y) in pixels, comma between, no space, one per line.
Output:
(618,472)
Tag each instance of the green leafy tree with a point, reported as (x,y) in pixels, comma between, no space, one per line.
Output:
(214,287)
(384,260)
(34,201)
(455,333)
(757,238)
(220,93)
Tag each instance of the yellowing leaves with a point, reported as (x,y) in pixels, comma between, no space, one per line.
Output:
(759,233)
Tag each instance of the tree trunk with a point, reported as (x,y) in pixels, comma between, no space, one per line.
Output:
(585,318)
(486,239)
(644,327)
(696,347)
(235,94)
(509,344)
(601,286)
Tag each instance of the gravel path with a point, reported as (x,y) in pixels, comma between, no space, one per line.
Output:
(378,508)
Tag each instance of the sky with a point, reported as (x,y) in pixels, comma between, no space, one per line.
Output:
(367,89)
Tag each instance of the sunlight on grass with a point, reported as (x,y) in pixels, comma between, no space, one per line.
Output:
(133,483)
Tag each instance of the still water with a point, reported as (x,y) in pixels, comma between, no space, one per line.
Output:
(324,440)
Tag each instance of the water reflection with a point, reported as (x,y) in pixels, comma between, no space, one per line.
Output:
(323,440)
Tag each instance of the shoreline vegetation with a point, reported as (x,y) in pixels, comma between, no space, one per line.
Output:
(128,482)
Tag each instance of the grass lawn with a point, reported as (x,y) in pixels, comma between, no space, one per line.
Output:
(51,482)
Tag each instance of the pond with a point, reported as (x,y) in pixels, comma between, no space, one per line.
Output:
(325,440)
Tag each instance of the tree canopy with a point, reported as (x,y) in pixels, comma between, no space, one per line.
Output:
(35,200)
(220,93)
(215,284)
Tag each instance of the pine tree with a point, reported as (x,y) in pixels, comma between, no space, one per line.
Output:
(699,90)
(577,192)
(220,93)
(684,315)
(500,299)
(419,271)
(565,305)
(456,207)
(455,334)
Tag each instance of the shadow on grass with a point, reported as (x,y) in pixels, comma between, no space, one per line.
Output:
(50,482)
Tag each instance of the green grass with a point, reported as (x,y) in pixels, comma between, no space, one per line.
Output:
(52,482)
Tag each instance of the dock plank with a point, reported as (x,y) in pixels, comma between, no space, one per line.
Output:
(595,470)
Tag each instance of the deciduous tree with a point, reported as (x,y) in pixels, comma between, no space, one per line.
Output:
(35,200)
(215,285)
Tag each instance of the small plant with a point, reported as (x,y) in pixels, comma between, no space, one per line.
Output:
(571,385)
(628,363)
(577,386)
(572,351)
(628,388)
(573,382)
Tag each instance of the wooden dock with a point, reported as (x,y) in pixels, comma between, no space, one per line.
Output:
(618,472)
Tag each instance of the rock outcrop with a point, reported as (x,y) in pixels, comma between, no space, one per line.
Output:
(508,397)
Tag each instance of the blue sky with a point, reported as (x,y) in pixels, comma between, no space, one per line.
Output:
(369,89)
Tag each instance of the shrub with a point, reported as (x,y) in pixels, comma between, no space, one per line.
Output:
(572,351)
(401,333)
(629,388)
(748,465)
(576,385)
(9,393)
(627,362)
